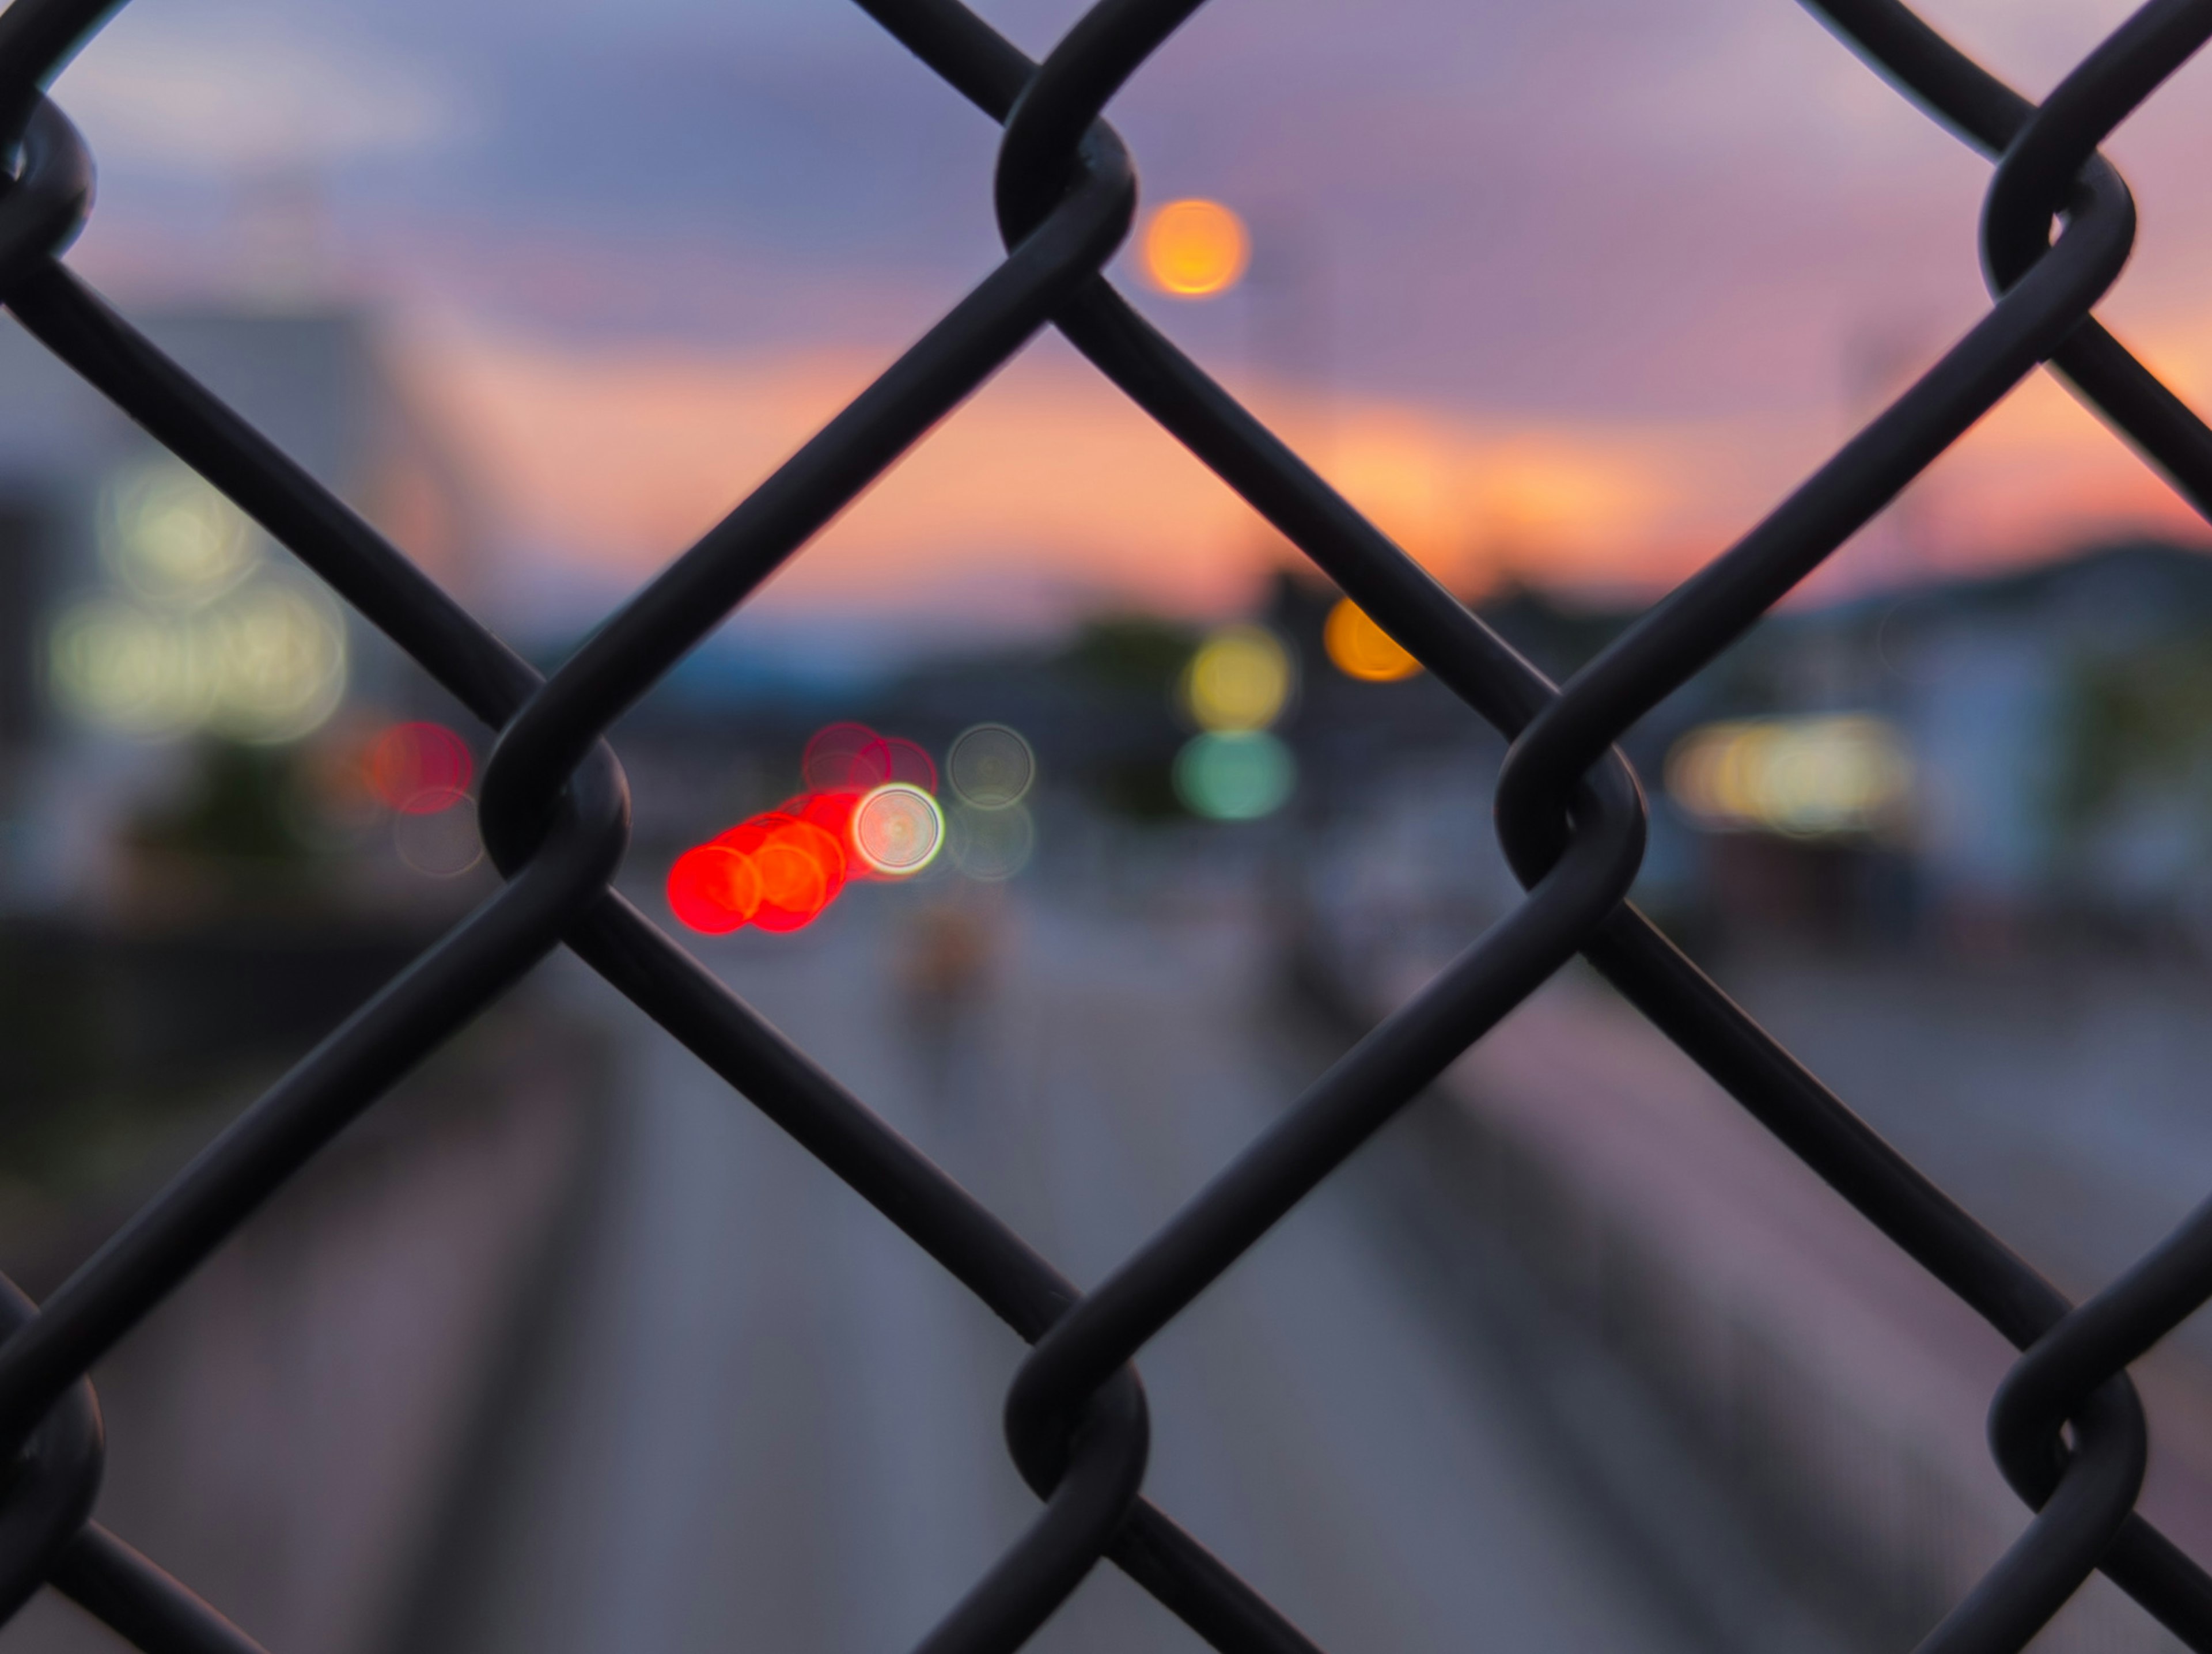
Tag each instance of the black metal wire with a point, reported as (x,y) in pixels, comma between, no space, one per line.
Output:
(2066,1426)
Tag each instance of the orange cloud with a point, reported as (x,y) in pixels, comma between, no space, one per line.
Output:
(619,458)
(613,458)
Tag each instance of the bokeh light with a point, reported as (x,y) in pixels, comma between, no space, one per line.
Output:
(990,766)
(265,664)
(830,811)
(1806,777)
(991,845)
(281,659)
(714,888)
(1195,249)
(832,761)
(801,868)
(867,812)
(418,769)
(1239,680)
(128,669)
(198,631)
(1235,775)
(898,829)
(444,844)
(888,759)
(853,757)
(168,538)
(749,834)
(1360,649)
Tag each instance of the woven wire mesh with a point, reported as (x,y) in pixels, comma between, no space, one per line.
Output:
(2066,1426)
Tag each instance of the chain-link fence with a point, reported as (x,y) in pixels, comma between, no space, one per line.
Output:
(2066,1426)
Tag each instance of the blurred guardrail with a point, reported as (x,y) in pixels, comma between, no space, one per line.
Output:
(1816,1382)
(301,1425)
(88,1007)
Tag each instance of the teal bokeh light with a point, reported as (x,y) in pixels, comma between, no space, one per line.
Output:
(1235,775)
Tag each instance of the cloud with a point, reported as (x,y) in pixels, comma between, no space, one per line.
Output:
(244,95)
(614,457)
(1592,288)
(1050,488)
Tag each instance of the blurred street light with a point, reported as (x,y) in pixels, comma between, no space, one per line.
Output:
(897,829)
(1240,679)
(1195,249)
(1360,649)
(1807,776)
(1235,775)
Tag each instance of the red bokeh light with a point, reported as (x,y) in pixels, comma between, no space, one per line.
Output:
(802,869)
(714,888)
(833,813)
(888,759)
(853,758)
(752,834)
(781,868)
(832,762)
(419,769)
(776,870)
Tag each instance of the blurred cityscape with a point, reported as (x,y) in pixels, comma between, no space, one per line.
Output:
(593,1357)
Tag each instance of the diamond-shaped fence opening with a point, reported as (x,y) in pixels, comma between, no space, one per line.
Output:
(2066,1426)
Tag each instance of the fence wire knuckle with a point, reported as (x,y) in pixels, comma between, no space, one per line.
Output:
(2066,1426)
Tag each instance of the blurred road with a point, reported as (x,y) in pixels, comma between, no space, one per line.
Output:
(2059,1097)
(771,1424)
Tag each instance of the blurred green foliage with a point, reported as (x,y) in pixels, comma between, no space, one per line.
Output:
(2135,729)
(1134,662)
(241,804)
(1141,653)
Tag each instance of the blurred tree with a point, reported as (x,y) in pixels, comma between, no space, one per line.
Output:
(2135,739)
(241,806)
(1143,653)
(2131,723)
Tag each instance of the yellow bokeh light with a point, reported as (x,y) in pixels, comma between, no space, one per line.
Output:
(1195,249)
(1807,776)
(1360,649)
(168,538)
(282,662)
(128,669)
(265,664)
(1239,679)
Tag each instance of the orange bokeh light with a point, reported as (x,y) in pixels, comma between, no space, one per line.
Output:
(802,869)
(1195,249)
(1361,649)
(419,769)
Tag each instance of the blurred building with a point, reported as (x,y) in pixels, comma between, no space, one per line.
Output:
(1969,754)
(1958,760)
(146,624)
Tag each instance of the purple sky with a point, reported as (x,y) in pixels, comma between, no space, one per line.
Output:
(1580,215)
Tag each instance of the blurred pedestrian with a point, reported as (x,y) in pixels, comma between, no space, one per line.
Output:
(944,966)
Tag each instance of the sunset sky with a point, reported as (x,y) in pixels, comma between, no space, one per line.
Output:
(1566,292)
